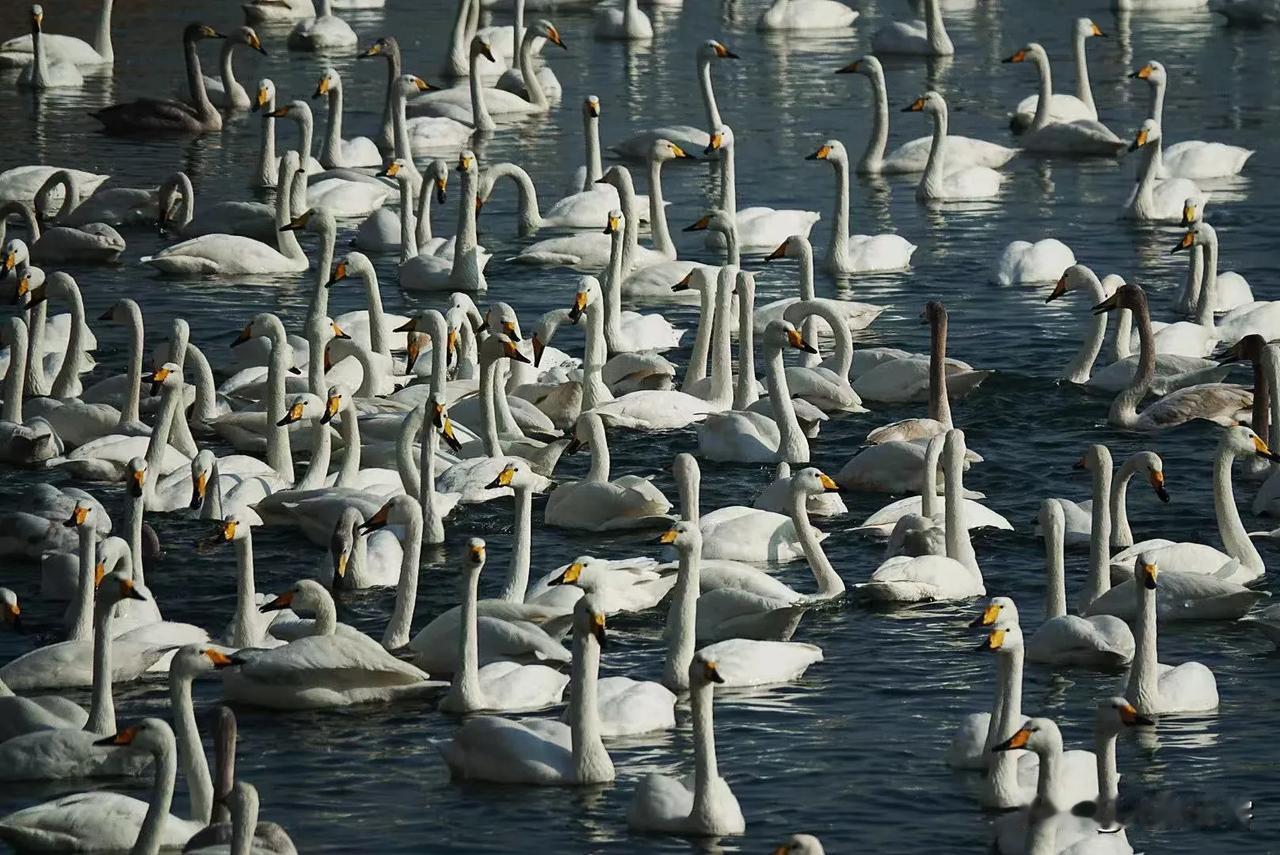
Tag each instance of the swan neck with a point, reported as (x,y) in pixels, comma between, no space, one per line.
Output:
(939,400)
(729,182)
(1143,690)
(706,773)
(929,495)
(747,392)
(1235,540)
(102,39)
(532,85)
(1099,577)
(1055,601)
(591,761)
(15,378)
(1104,747)
(166,772)
(1124,409)
(466,693)
(1084,91)
(600,460)
(660,231)
(399,124)
(130,414)
(936,29)
(397,633)
(82,617)
(406,442)
(959,546)
(37,380)
(195,766)
(931,182)
(517,584)
(1209,282)
(279,452)
(333,129)
(708,93)
(433,522)
(1121,533)
(1045,98)
(287,240)
(697,368)
(388,104)
(321,454)
(137,509)
(838,248)
(722,347)
(873,158)
(829,583)
(595,164)
(1082,365)
(102,710)
(594,390)
(170,400)
(1006,718)
(195,82)
(67,383)
(242,633)
(793,446)
(683,615)
(480,117)
(268,168)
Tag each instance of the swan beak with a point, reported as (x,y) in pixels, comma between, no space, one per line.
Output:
(1139,141)
(678,152)
(851,68)
(821,154)
(1020,56)
(484,50)
(1149,572)
(1112,302)
(511,331)
(578,308)
(797,341)
(256,44)
(121,739)
(712,673)
(780,252)
(331,407)
(13,616)
(1157,484)
(422,85)
(297,223)
(684,284)
(77,518)
(1015,742)
(553,36)
(570,575)
(538,348)
(442,184)
(828,485)
(784,849)
(611,227)
(293,415)
(915,106)
(989,616)
(392,170)
(10,260)
(375,522)
(211,33)
(1263,451)
(994,641)
(136,481)
(1142,73)
(408,326)
(157,379)
(129,592)
(278,113)
(339,273)
(597,628)
(592,107)
(723,52)
(218,658)
(668,537)
(464,163)
(1058,290)
(374,49)
(264,97)
(1188,214)
(105,316)
(1097,31)
(446,430)
(700,226)
(281,602)
(99,572)
(575,445)
(339,332)
(322,88)
(513,353)
(717,140)
(1130,716)
(1188,241)
(504,478)
(199,484)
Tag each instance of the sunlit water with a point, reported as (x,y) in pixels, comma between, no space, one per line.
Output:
(854,751)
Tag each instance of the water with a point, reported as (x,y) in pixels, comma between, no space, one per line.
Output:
(854,751)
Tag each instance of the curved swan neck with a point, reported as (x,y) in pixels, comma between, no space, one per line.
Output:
(480,117)
(1082,365)
(379,335)
(1084,91)
(793,446)
(397,632)
(242,634)
(1124,409)
(1121,533)
(406,442)
(1148,174)
(517,584)
(530,215)
(1045,99)
(1143,689)
(153,826)
(660,232)
(1099,578)
(227,71)
(532,85)
(195,82)
(936,29)
(681,619)
(287,240)
(873,158)
(102,710)
(170,400)
(190,749)
(697,367)
(829,583)
(931,182)
(708,93)
(746,392)
(67,383)
(1235,540)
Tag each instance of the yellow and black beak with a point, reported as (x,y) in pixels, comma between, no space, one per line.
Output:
(245,335)
(422,85)
(339,273)
(780,252)
(156,379)
(1261,447)
(513,353)
(119,740)
(339,332)
(989,615)
(476,552)
(281,602)
(1143,73)
(579,306)
(210,33)
(712,672)
(377,521)
(684,284)
(1140,140)
(293,415)
(593,107)
(199,486)
(915,106)
(1059,289)
(723,52)
(668,537)
(1157,484)
(1018,741)
(298,223)
(256,44)
(823,152)
(681,153)
(128,591)
(611,226)
(796,340)
(1130,716)
(504,479)
(992,642)
(1148,572)
(374,49)
(717,140)
(510,330)
(1188,215)
(465,163)
(1112,302)
(571,574)
(852,68)
(701,225)
(331,406)
(1187,241)
(218,659)
(322,88)
(13,615)
(392,170)
(538,349)
(1097,31)
(597,629)
(278,112)
(1020,56)
(553,36)
(828,483)
(446,431)
(264,98)
(77,518)
(137,480)
(442,184)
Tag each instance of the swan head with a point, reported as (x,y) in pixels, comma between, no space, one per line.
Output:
(438,171)
(440,421)
(589,620)
(1033,52)
(712,49)
(548,31)
(385,46)
(480,47)
(721,140)
(301,407)
(783,334)
(136,477)
(516,474)
(1247,349)
(716,220)
(700,278)
(1195,235)
(151,734)
(343,541)
(30,290)
(1145,571)
(475,555)
(1086,28)
(467,162)
(685,536)
(584,572)
(299,111)
(1040,735)
(354,264)
(116,587)
(1150,462)
(812,481)
(330,81)
(202,466)
(664,150)
(303,221)
(167,376)
(831,150)
(1193,209)
(306,595)
(999,612)
(867,66)
(193,660)
(1153,72)
(1147,134)
(10,611)
(336,400)
(501,319)
(400,169)
(929,102)
(613,224)
(412,84)
(266,95)
(801,844)
(197,32)
(796,246)
(15,253)
(1242,441)
(397,511)
(249,37)
(121,311)
(1116,713)
(229,529)
(704,670)
(591,107)
(1128,296)
(1077,277)
(1096,459)
(37,18)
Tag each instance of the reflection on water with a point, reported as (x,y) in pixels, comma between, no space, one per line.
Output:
(853,753)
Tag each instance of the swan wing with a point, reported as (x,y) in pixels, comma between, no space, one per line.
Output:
(490,748)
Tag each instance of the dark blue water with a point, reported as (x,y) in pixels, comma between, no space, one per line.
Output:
(853,752)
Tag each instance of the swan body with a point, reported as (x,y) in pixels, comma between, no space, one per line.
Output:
(1064,107)
(848,253)
(799,15)
(168,116)
(599,504)
(1153,199)
(941,183)
(1081,137)
(96,58)
(325,32)
(1025,262)
(1197,160)
(915,38)
(689,138)
(622,22)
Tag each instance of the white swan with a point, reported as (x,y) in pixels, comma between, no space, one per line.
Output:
(478,105)
(1153,688)
(1096,641)
(1233,291)
(941,182)
(705,806)
(45,72)
(335,151)
(1194,159)
(1215,401)
(297,675)
(906,579)
(325,32)
(759,228)
(101,820)
(1063,107)
(538,751)
(792,16)
(914,155)
(622,22)
(1023,262)
(498,686)
(1078,515)
(688,138)
(628,332)
(225,91)
(465,270)
(848,253)
(177,211)
(231,255)
(1153,199)
(1239,560)
(915,38)
(1046,136)
(96,58)
(597,503)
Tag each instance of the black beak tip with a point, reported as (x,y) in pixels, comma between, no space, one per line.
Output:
(1163,494)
